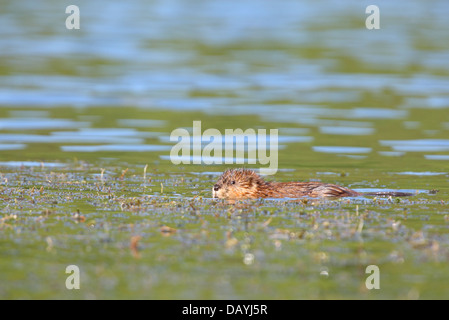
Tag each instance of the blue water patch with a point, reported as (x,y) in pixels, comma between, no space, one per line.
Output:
(356,131)
(373,190)
(377,113)
(250,139)
(30,164)
(206,159)
(341,149)
(418,145)
(437,156)
(328,173)
(12,146)
(66,137)
(431,102)
(424,173)
(39,123)
(112,147)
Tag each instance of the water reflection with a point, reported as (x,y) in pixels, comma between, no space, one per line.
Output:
(377,113)
(347,130)
(253,140)
(40,123)
(64,138)
(418,145)
(87,135)
(30,164)
(423,173)
(371,190)
(210,159)
(313,67)
(115,147)
(13,146)
(437,156)
(434,102)
(341,149)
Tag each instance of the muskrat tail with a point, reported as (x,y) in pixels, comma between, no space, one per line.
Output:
(389,194)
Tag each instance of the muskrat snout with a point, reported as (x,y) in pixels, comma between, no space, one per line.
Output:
(216,187)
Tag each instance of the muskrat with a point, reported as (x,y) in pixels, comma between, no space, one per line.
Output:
(247,184)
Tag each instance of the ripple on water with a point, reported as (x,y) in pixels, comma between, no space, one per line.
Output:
(39,123)
(377,113)
(141,123)
(328,173)
(252,140)
(209,159)
(211,173)
(47,97)
(115,147)
(118,132)
(432,102)
(12,146)
(370,190)
(218,173)
(341,149)
(437,156)
(30,164)
(83,135)
(423,173)
(65,138)
(418,145)
(107,132)
(346,130)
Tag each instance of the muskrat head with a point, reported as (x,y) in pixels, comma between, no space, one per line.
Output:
(237,184)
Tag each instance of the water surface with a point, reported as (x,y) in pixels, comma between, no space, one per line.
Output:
(85,170)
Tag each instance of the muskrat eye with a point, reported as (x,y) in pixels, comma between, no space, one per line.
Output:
(233,182)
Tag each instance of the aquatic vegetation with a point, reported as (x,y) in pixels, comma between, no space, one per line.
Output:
(129,242)
(86,178)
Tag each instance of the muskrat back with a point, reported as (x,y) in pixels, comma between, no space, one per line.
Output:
(247,184)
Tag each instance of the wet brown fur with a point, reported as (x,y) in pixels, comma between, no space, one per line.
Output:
(246,184)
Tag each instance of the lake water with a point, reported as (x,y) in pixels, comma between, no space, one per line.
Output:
(87,115)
